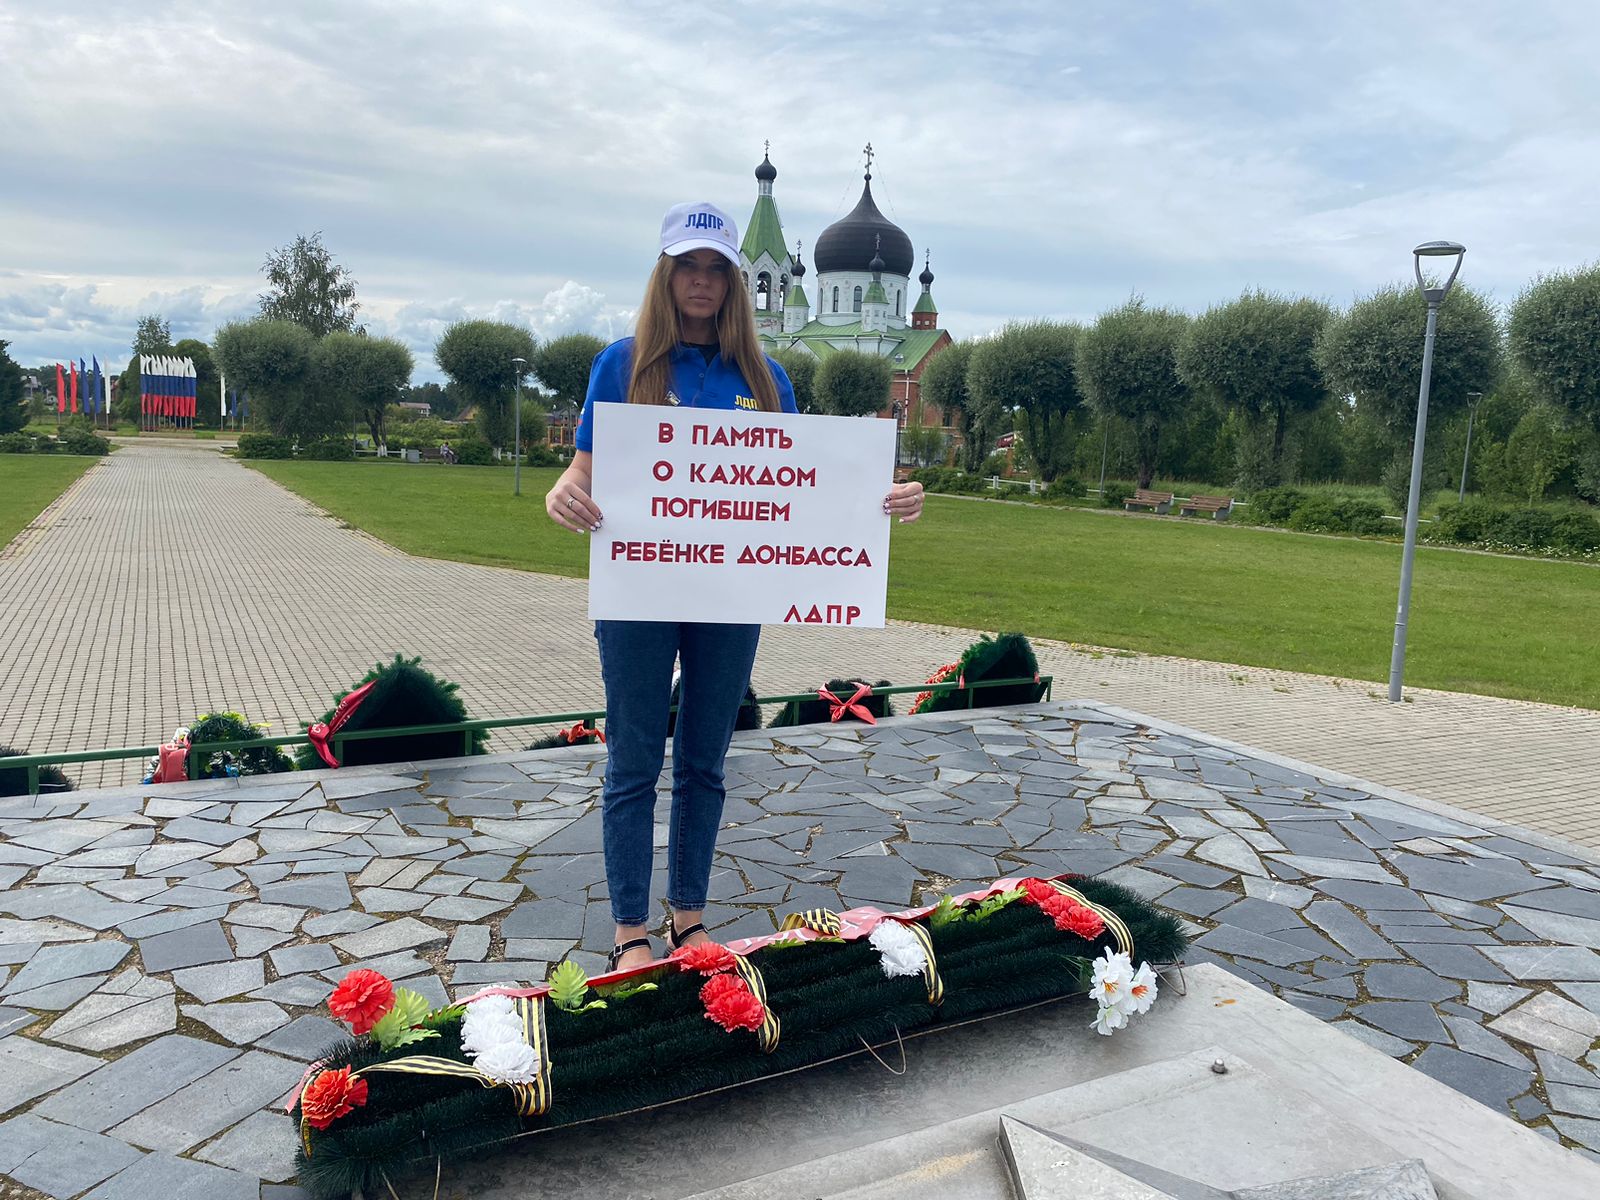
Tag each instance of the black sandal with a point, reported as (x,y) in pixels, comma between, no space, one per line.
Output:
(675,939)
(619,950)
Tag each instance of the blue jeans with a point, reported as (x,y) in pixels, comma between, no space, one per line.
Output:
(636,660)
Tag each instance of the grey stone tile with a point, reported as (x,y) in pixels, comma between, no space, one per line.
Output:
(1376,1039)
(1190,872)
(1556,926)
(1407,1019)
(1457,962)
(58,1159)
(1197,902)
(134,1082)
(301,991)
(1242,942)
(1493,998)
(470,944)
(1535,1030)
(221,980)
(1371,896)
(1334,868)
(544,919)
(325,893)
(1349,930)
(176,1179)
(29,1069)
(305,1038)
(1489,1083)
(107,1020)
(1259,916)
(293,960)
(1583,1131)
(1556,1069)
(249,942)
(525,974)
(463,908)
(212,833)
(54,997)
(1290,894)
(167,922)
(263,1144)
(239,1021)
(1574,1101)
(211,1103)
(1394,981)
(56,963)
(1473,1038)
(404,934)
(186,947)
(349,921)
(1480,879)
(1548,962)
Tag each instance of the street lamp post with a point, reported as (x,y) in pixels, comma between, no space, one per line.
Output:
(1434,297)
(516,437)
(1477,399)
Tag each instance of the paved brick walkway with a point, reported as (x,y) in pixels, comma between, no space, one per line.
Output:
(170,580)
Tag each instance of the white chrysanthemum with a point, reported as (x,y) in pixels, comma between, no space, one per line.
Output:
(1112,981)
(510,1062)
(1142,989)
(492,1004)
(1108,1018)
(488,1030)
(902,953)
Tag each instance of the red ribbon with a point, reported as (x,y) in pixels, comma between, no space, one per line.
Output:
(321,731)
(580,732)
(838,708)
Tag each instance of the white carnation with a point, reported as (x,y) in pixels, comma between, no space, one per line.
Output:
(510,1062)
(488,1030)
(500,1005)
(902,953)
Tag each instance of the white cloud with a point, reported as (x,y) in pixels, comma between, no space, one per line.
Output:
(514,159)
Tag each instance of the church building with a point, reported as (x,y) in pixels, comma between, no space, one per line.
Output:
(864,300)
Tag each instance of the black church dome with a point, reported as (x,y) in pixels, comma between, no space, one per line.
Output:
(851,243)
(766,172)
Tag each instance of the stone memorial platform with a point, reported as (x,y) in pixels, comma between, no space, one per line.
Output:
(165,951)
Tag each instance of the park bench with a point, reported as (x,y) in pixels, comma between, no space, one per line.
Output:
(1218,506)
(1157,502)
(432,454)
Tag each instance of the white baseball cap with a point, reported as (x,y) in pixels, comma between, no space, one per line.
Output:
(700,226)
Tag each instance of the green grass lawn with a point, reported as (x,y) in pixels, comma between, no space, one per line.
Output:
(1522,628)
(28,482)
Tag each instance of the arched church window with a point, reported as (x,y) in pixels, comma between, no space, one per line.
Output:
(897,303)
(858,298)
(763,292)
(835,299)
(783,290)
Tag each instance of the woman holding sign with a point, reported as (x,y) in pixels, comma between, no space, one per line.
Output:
(696,345)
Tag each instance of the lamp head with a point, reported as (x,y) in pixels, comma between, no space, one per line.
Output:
(1435,295)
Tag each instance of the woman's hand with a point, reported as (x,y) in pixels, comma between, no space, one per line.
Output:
(904,501)
(569,503)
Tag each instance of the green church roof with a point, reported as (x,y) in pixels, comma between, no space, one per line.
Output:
(797,298)
(875,294)
(765,233)
(913,345)
(925,304)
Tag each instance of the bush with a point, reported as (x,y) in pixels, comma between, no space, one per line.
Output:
(995,464)
(542,456)
(1532,528)
(264,445)
(1115,493)
(328,450)
(1274,506)
(1578,532)
(233,727)
(473,452)
(81,441)
(16,443)
(46,445)
(1066,488)
(14,782)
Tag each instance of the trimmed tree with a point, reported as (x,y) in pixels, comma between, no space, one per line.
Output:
(944,384)
(13,398)
(272,361)
(1554,335)
(1127,367)
(477,356)
(360,374)
(1029,370)
(1256,357)
(801,368)
(1373,352)
(851,384)
(562,365)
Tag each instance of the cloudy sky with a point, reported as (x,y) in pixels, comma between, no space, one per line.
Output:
(512,160)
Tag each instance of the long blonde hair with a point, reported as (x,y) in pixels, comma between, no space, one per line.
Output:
(659,330)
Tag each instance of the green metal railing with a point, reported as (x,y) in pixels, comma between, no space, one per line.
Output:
(198,752)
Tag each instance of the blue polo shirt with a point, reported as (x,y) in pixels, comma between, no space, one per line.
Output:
(695,382)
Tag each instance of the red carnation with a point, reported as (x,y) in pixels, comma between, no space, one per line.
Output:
(708,958)
(721,985)
(333,1094)
(1039,892)
(1075,918)
(735,1008)
(362,1000)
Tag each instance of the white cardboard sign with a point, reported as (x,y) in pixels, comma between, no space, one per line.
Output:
(722,515)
